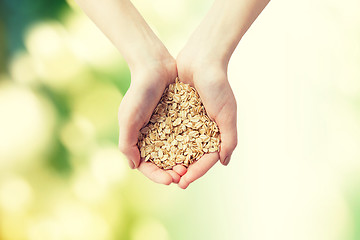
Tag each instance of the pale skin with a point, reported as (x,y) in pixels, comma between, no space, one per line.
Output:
(202,63)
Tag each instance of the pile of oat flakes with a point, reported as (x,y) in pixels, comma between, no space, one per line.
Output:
(179,131)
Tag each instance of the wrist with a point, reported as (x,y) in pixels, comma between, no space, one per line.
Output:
(145,52)
(193,59)
(206,47)
(159,70)
(202,72)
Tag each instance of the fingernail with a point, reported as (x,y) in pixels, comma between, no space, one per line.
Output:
(131,164)
(226,161)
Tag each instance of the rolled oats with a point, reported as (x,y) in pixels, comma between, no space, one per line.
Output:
(179,130)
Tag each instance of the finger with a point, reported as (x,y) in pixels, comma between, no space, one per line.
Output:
(198,169)
(174,175)
(226,121)
(180,169)
(154,173)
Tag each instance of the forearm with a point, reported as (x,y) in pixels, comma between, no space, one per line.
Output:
(125,27)
(225,24)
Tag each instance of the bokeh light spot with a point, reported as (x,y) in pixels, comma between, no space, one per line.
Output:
(15,194)
(55,63)
(108,165)
(22,69)
(78,135)
(87,189)
(25,125)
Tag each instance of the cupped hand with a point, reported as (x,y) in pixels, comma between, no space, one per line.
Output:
(147,85)
(209,77)
(148,82)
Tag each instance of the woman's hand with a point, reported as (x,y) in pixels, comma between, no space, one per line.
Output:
(203,64)
(209,77)
(148,82)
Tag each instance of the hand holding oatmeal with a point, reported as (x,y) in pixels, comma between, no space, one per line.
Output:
(202,64)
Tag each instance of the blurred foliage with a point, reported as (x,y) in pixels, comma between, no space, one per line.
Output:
(17,15)
(16,18)
(61,83)
(61,175)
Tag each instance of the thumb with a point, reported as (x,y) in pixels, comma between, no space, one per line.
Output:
(130,122)
(228,132)
(128,143)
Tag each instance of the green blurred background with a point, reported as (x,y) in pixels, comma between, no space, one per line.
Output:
(295,174)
